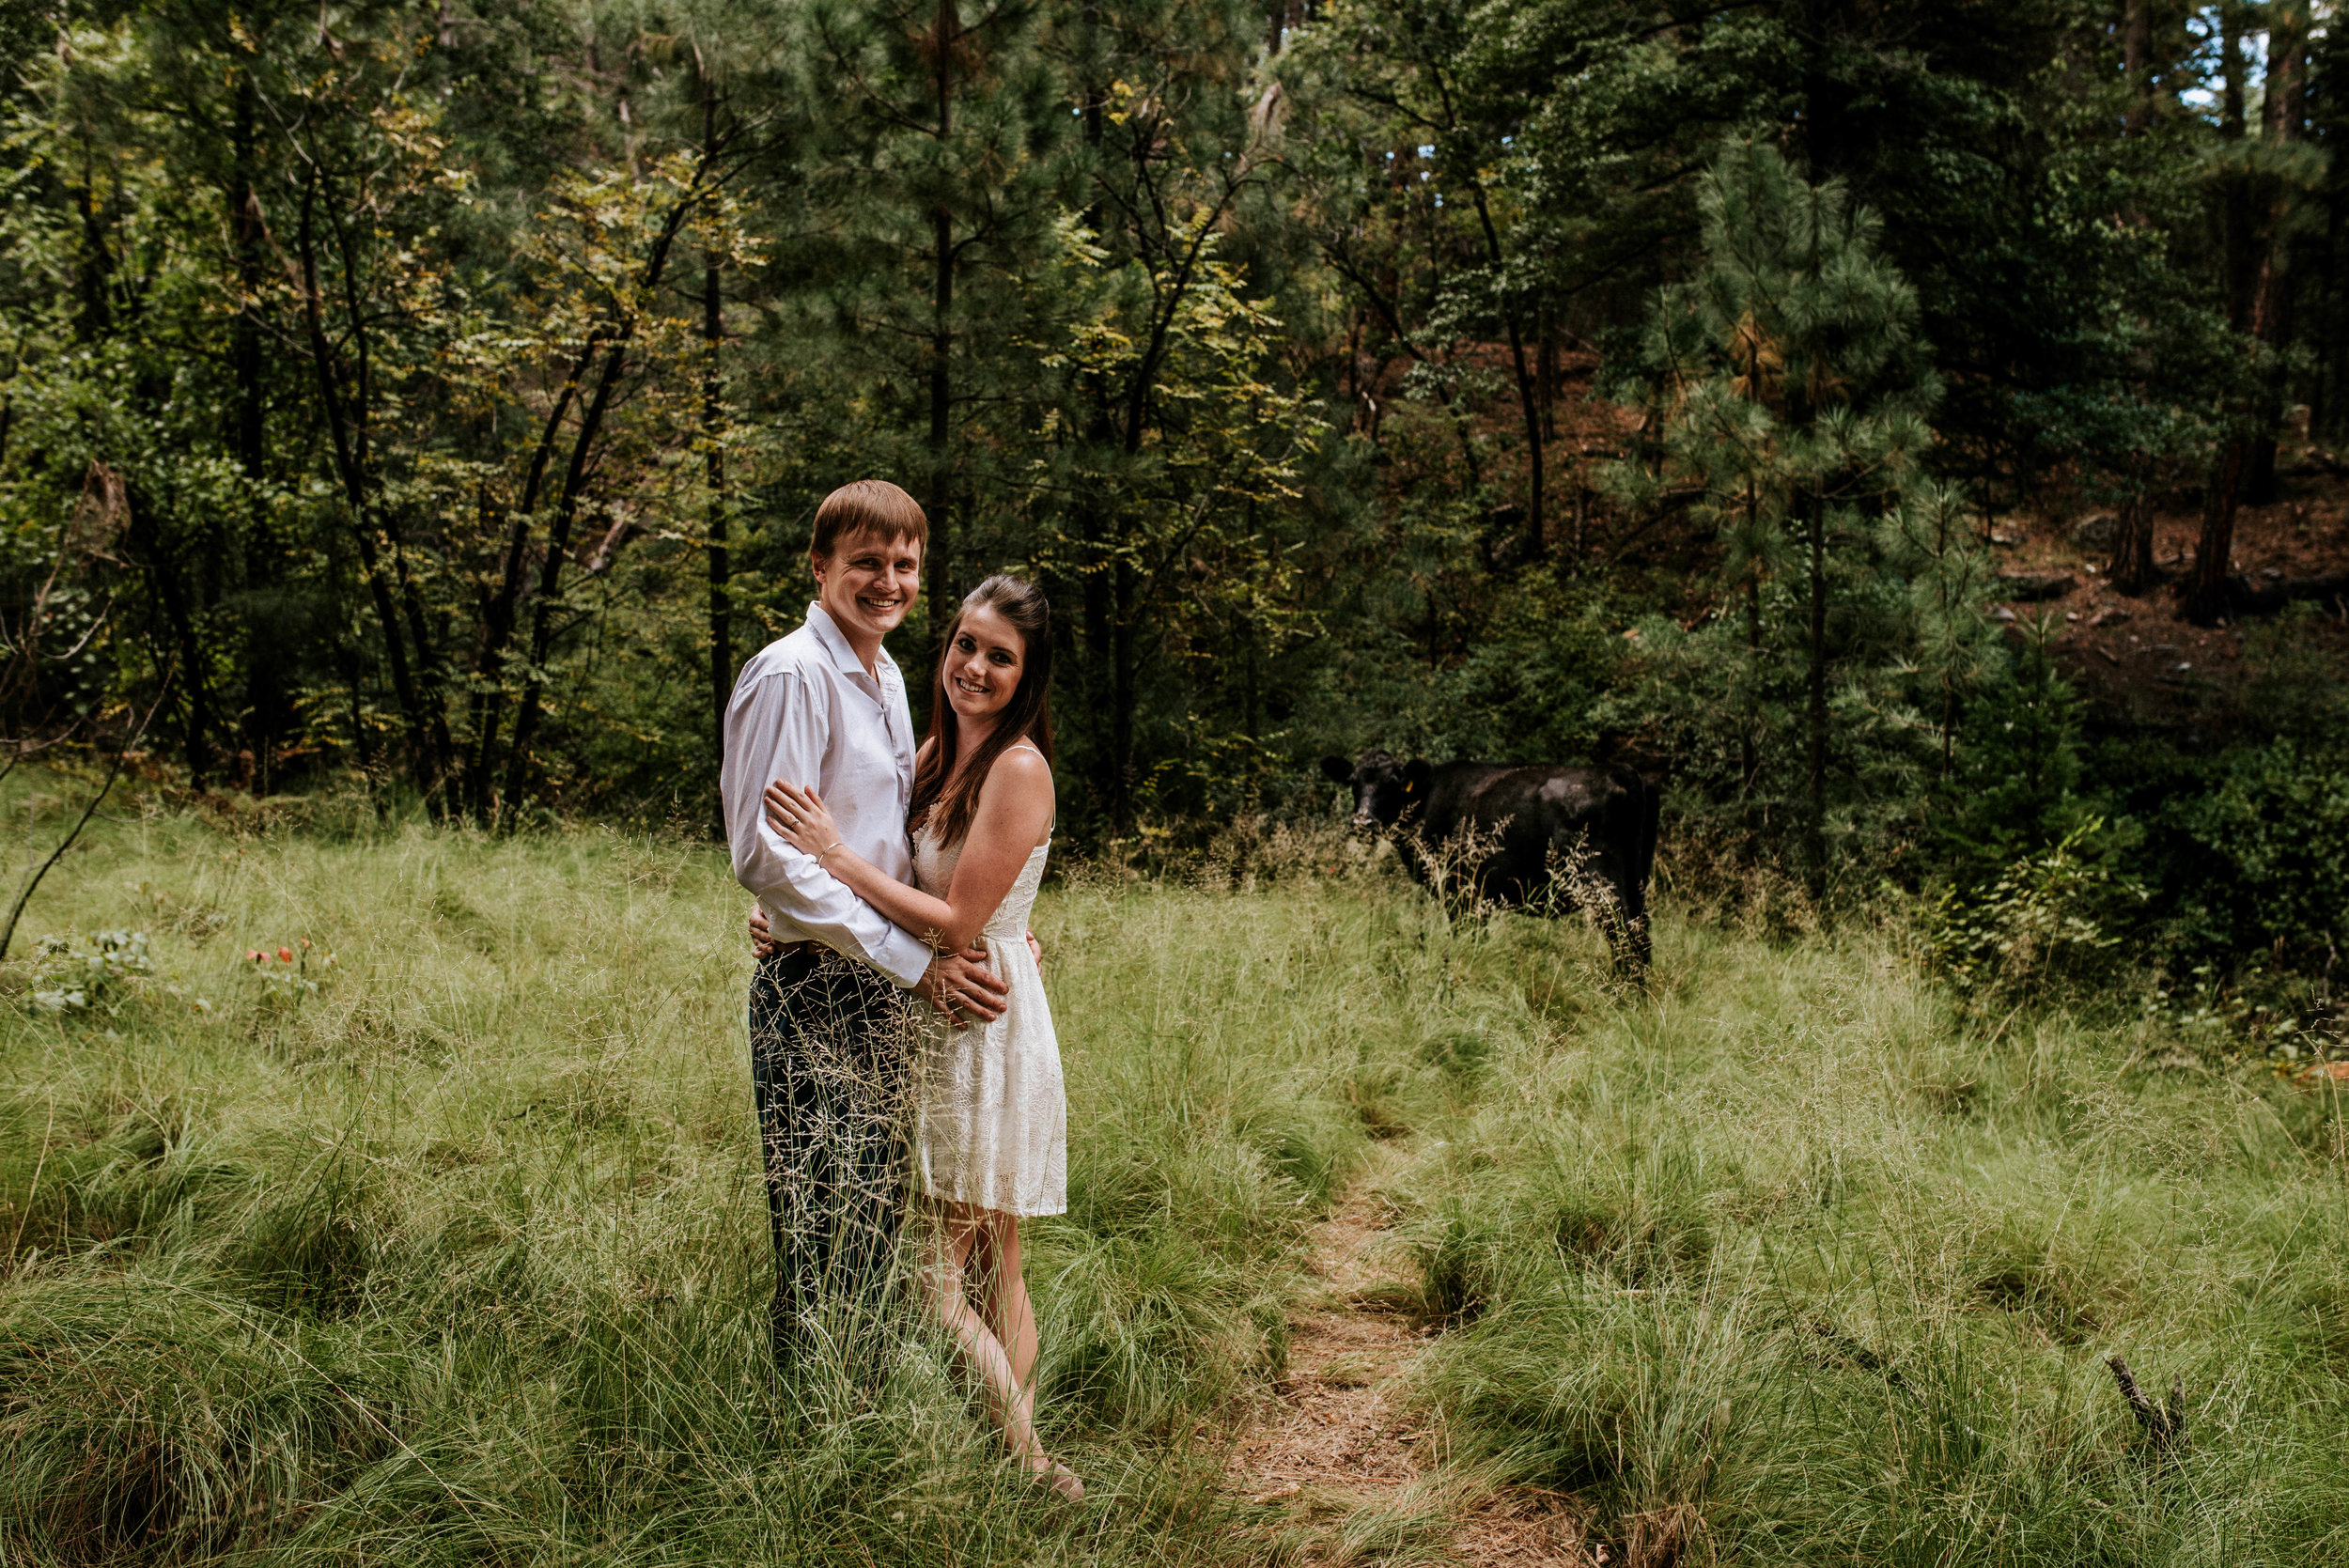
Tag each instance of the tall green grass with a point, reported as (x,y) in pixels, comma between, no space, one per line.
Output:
(461,1256)
(1792,1262)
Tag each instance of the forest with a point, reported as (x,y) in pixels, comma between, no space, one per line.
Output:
(1902,430)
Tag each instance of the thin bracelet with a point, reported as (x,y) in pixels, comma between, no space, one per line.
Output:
(825,850)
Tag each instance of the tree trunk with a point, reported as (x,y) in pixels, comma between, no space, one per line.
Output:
(2206,592)
(498,617)
(1122,704)
(1815,823)
(2328,370)
(2235,197)
(575,479)
(1529,400)
(2132,564)
(2131,568)
(430,686)
(2137,48)
(2282,114)
(2263,303)
(550,575)
(2214,558)
(1749,731)
(1380,296)
(1099,611)
(1092,525)
(2206,596)
(268,703)
(244,332)
(95,274)
(362,740)
(346,426)
(434,765)
(721,602)
(941,545)
(713,432)
(1280,17)
(1545,373)
(162,576)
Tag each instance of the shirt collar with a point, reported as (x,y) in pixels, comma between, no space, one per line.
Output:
(835,642)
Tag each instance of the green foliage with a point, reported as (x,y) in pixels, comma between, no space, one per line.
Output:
(74,977)
(1536,686)
(1789,393)
(2034,884)
(2263,854)
(2013,787)
(2236,843)
(442,406)
(2051,918)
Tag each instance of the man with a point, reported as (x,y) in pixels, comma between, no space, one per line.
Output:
(830,1044)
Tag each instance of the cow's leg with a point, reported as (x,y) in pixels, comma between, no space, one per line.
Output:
(1634,948)
(1622,914)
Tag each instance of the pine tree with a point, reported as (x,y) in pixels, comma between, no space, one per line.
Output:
(1793,390)
(936,172)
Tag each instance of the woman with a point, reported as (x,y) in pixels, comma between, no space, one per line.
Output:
(992,1139)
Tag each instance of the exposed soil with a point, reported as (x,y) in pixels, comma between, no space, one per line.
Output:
(1339,1444)
(2135,659)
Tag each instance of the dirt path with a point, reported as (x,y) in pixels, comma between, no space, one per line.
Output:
(1339,1446)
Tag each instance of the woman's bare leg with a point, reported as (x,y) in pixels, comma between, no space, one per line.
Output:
(1003,1289)
(1008,1402)
(997,1343)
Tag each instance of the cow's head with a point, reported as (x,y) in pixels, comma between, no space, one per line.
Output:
(1386,791)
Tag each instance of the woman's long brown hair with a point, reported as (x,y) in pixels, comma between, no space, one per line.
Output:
(1029,713)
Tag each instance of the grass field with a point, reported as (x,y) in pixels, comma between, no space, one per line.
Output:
(462,1257)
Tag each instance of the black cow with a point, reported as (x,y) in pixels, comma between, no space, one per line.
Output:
(1538,819)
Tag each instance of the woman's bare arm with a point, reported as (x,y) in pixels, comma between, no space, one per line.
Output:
(809,826)
(1013,813)
(1015,808)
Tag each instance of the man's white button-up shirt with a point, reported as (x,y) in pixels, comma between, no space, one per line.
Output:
(805,712)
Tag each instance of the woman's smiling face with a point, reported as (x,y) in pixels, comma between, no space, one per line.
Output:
(984,663)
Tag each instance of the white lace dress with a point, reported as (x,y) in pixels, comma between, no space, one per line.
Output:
(993,1126)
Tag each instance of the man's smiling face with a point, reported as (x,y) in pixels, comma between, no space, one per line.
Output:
(867,584)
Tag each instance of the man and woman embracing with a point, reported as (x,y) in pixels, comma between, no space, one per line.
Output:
(822,785)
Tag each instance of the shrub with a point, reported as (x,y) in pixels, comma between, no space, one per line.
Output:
(2052,915)
(2262,855)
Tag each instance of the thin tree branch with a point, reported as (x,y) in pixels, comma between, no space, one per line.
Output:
(32,881)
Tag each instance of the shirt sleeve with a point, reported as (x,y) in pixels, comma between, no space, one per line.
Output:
(776,728)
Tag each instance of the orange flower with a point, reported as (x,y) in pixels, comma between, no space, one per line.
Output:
(285,955)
